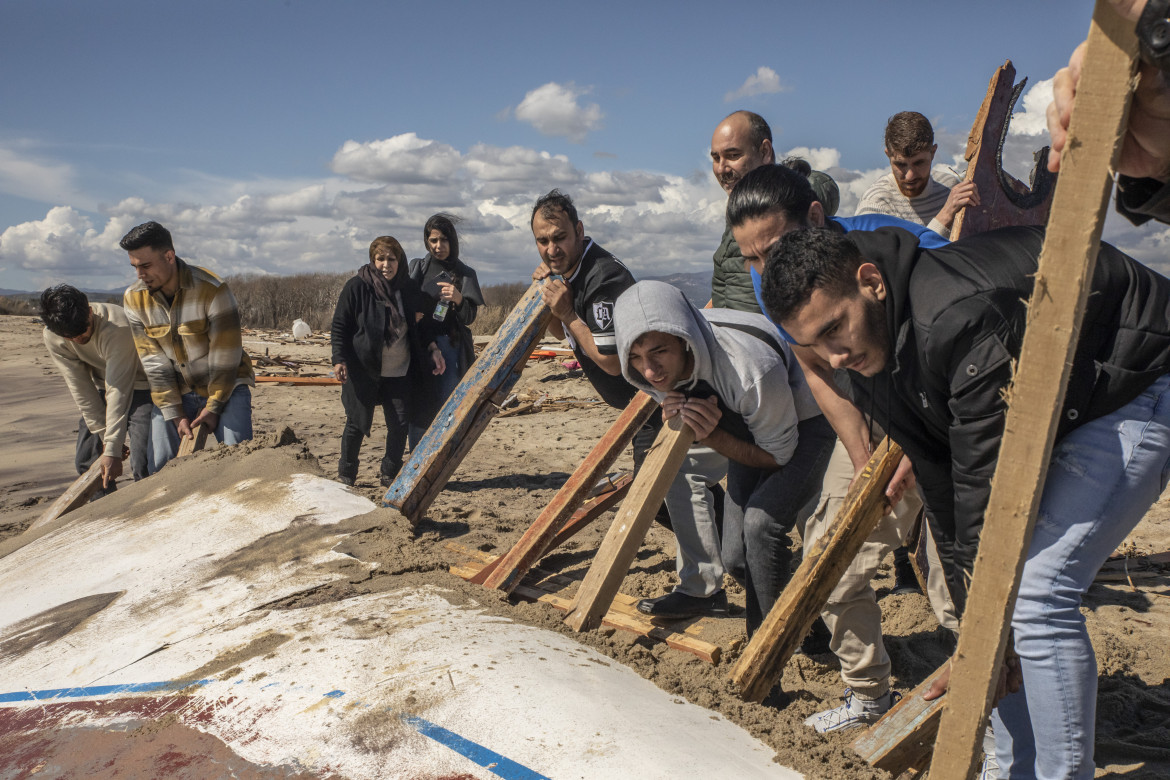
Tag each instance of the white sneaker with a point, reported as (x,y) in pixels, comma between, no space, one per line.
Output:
(853,713)
(990,768)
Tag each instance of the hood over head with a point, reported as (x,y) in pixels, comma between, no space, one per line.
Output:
(658,306)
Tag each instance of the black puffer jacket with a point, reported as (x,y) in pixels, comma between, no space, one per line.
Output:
(955,318)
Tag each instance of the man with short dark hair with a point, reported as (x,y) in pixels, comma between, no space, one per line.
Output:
(912,191)
(93,348)
(187,332)
(929,338)
(766,205)
(582,303)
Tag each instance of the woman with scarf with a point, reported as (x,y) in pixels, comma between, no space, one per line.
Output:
(451,293)
(380,339)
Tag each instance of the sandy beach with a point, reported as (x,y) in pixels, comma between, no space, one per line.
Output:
(509,477)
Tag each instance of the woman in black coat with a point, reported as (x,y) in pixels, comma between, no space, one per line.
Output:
(382,345)
(452,297)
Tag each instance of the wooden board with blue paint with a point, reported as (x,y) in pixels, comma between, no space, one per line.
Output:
(470,408)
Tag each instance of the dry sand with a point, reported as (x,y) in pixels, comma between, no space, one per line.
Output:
(509,476)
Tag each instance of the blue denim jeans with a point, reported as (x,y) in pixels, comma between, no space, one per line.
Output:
(447,382)
(235,424)
(1101,480)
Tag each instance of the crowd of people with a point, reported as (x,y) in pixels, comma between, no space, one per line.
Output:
(824,334)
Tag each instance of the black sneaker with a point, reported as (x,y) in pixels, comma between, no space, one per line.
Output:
(816,642)
(680,605)
(348,481)
(904,579)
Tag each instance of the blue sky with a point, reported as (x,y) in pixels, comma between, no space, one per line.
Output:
(281,137)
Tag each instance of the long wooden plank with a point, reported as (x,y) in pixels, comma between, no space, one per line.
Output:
(194,443)
(76,495)
(535,541)
(592,509)
(299,381)
(997,207)
(629,528)
(763,660)
(470,408)
(1037,393)
(904,737)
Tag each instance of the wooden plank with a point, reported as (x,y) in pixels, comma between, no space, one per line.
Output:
(763,660)
(623,613)
(1037,393)
(904,737)
(593,509)
(469,409)
(998,207)
(629,528)
(535,541)
(195,442)
(76,495)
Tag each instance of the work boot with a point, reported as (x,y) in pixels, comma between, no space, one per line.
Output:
(855,712)
(679,605)
(347,481)
(816,642)
(904,579)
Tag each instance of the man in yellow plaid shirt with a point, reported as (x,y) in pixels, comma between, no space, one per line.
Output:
(187,333)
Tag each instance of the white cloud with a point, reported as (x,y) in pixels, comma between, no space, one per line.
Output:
(553,110)
(25,174)
(402,159)
(764,81)
(821,158)
(1032,119)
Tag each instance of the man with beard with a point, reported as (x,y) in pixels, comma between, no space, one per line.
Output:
(929,338)
(582,302)
(911,190)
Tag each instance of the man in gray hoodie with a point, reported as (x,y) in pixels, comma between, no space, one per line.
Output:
(738,386)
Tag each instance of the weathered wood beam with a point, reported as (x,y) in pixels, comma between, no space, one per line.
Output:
(1037,393)
(629,528)
(759,668)
(195,442)
(904,737)
(536,540)
(470,408)
(76,495)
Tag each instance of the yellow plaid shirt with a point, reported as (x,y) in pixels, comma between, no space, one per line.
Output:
(191,345)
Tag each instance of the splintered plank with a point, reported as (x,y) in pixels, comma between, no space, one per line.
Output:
(763,660)
(1037,393)
(629,528)
(470,408)
(195,442)
(623,613)
(904,737)
(537,539)
(997,206)
(77,494)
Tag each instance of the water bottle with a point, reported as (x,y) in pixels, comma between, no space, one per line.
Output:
(441,310)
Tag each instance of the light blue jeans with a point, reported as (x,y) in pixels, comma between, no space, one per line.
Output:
(235,423)
(1102,478)
(447,382)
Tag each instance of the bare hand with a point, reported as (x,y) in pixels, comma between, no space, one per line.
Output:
(559,298)
(963,194)
(341,372)
(1145,149)
(902,481)
(449,292)
(542,272)
(206,417)
(111,469)
(1010,679)
(672,404)
(702,415)
(439,362)
(183,426)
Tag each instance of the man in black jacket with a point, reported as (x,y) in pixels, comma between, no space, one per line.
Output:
(930,338)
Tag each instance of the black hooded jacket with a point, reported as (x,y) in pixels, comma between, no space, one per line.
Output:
(955,320)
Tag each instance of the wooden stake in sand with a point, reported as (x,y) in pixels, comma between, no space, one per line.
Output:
(629,528)
(763,660)
(1037,393)
(195,442)
(511,568)
(470,408)
(904,738)
(76,495)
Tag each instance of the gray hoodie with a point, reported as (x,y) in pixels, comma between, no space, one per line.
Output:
(749,375)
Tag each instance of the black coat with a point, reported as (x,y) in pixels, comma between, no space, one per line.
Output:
(457,324)
(955,320)
(358,334)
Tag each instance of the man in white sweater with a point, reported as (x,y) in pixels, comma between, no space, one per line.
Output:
(93,348)
(912,191)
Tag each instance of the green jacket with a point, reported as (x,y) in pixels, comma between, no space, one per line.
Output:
(731,285)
